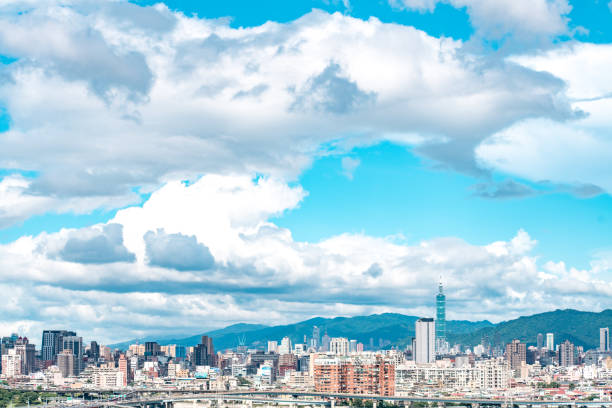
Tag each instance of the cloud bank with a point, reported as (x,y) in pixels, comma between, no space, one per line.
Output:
(123,98)
(207,255)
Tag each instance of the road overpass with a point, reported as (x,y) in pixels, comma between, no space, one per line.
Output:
(160,398)
(291,398)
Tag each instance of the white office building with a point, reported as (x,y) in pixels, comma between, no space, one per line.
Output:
(339,346)
(425,341)
(550,341)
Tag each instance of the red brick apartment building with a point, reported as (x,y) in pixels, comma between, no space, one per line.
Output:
(354,375)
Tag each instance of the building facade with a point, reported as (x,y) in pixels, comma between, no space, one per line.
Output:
(516,355)
(425,351)
(550,341)
(441,345)
(339,346)
(566,354)
(53,343)
(604,339)
(372,375)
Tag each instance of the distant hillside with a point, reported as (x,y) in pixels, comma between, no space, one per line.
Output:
(581,328)
(396,328)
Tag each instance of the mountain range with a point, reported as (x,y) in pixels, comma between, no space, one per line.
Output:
(581,328)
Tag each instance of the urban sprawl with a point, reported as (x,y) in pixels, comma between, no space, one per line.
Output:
(429,367)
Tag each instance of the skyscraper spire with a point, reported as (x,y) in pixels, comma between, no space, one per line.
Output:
(441,320)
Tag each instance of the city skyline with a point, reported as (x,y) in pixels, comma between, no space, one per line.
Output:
(172,168)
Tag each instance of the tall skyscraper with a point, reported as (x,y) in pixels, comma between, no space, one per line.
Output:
(550,341)
(540,341)
(94,351)
(566,354)
(124,367)
(204,353)
(440,320)
(316,337)
(74,344)
(325,342)
(604,339)
(28,354)
(425,341)
(516,355)
(208,341)
(52,343)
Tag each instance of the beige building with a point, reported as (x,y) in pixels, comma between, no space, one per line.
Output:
(65,362)
(107,377)
(11,364)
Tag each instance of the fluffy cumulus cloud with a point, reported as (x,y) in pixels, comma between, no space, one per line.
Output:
(177,251)
(123,97)
(576,153)
(97,246)
(124,100)
(206,254)
(522,20)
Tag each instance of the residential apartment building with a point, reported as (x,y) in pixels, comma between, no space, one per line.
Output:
(357,375)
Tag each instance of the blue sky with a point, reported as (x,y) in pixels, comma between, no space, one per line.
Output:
(450,137)
(395,192)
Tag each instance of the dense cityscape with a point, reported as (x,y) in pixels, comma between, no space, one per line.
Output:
(429,367)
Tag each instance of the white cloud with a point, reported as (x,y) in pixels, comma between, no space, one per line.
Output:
(194,96)
(525,19)
(18,202)
(575,152)
(261,274)
(349,165)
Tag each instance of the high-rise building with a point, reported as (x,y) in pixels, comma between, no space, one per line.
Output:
(516,355)
(550,341)
(604,339)
(75,345)
(285,346)
(27,352)
(151,349)
(441,320)
(203,353)
(316,337)
(272,346)
(124,367)
(325,342)
(566,354)
(425,341)
(66,363)
(540,341)
(94,351)
(208,341)
(52,343)
(11,364)
(353,346)
(339,346)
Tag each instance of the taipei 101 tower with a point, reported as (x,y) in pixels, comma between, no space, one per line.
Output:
(441,344)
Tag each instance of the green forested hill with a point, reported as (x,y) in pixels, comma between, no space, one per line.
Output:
(581,328)
(395,328)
